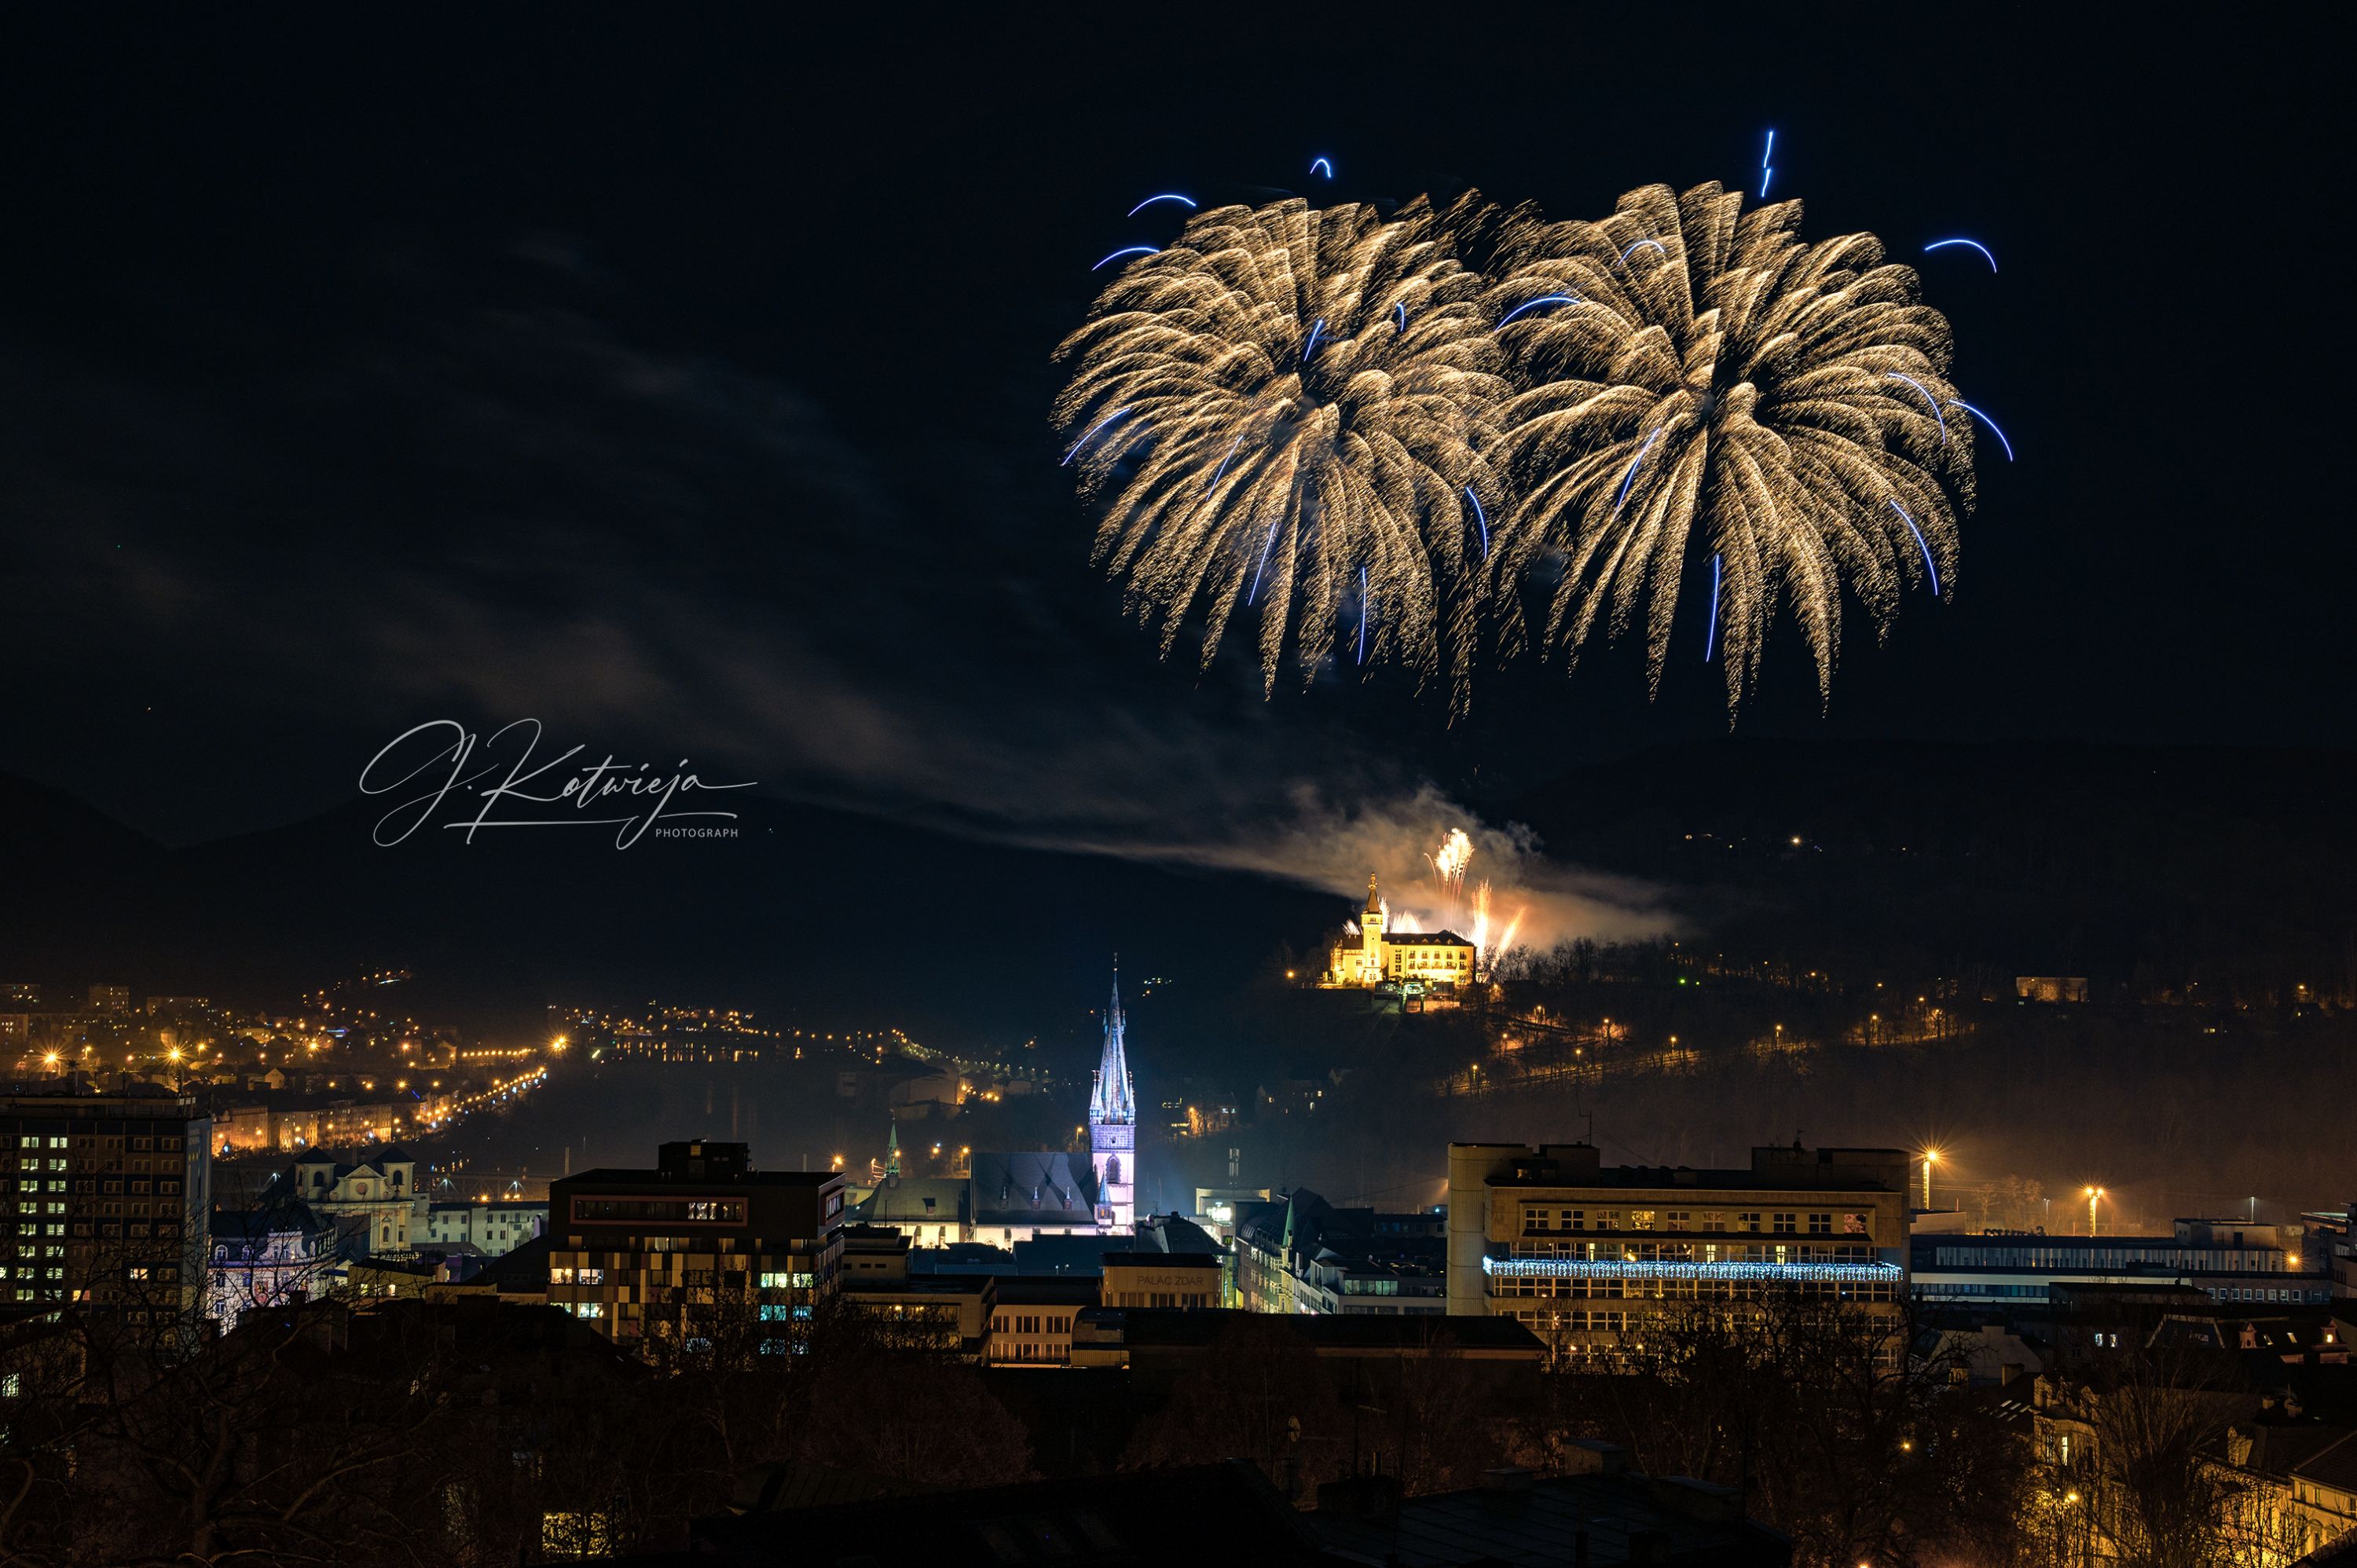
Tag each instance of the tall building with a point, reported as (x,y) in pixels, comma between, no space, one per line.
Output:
(1587,1256)
(1382,954)
(109,1194)
(699,1243)
(109,999)
(1113,1126)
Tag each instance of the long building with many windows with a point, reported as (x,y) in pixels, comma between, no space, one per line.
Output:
(2230,1260)
(1588,1257)
(702,1244)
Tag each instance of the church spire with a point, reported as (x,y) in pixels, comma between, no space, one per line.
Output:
(1113,1102)
(892,1150)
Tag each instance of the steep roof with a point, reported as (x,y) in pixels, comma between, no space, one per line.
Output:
(915,1200)
(1032,1187)
(1112,1101)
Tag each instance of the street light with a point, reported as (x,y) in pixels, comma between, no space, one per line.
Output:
(2094,1196)
(1931,1158)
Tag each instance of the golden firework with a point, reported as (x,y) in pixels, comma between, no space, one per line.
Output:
(1288,412)
(1704,387)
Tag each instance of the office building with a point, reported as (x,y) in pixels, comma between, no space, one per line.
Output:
(701,1243)
(1587,1257)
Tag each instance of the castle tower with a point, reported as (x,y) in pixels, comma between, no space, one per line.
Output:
(1113,1126)
(1370,936)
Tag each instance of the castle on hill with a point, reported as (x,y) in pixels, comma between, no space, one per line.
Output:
(1380,955)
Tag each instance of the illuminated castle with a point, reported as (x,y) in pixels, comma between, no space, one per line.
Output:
(1433,958)
(1112,1127)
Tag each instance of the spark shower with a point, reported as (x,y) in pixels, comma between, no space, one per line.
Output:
(1449,435)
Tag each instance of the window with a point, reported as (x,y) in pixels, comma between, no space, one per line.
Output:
(1641,1219)
(1746,1223)
(1786,1224)
(1854,1225)
(1821,1224)
(559,1275)
(588,1309)
(590,1277)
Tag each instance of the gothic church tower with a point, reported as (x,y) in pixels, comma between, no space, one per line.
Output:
(1112,1127)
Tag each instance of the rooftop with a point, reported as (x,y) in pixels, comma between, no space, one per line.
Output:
(607,1176)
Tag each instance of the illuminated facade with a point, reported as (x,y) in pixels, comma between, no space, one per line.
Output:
(1589,1259)
(1113,1126)
(380,1187)
(1380,954)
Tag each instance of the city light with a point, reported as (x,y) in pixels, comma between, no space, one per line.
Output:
(1931,1158)
(1575,1268)
(2094,1197)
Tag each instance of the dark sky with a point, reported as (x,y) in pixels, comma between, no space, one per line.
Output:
(682,380)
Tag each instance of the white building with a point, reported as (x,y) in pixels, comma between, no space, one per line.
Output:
(493,1230)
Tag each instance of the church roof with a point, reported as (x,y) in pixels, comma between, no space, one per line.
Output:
(916,1200)
(1032,1187)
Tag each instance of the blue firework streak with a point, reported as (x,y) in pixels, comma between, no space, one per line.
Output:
(1710,638)
(1921,544)
(1975,244)
(1128,250)
(1985,419)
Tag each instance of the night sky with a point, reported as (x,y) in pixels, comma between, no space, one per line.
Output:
(684,382)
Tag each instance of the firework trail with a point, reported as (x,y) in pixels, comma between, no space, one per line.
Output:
(1721,389)
(1448,862)
(1309,396)
(1487,953)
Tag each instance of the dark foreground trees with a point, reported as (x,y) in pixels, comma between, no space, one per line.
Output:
(1833,1432)
(462,1432)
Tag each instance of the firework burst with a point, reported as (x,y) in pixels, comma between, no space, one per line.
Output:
(1448,862)
(1287,411)
(1715,388)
